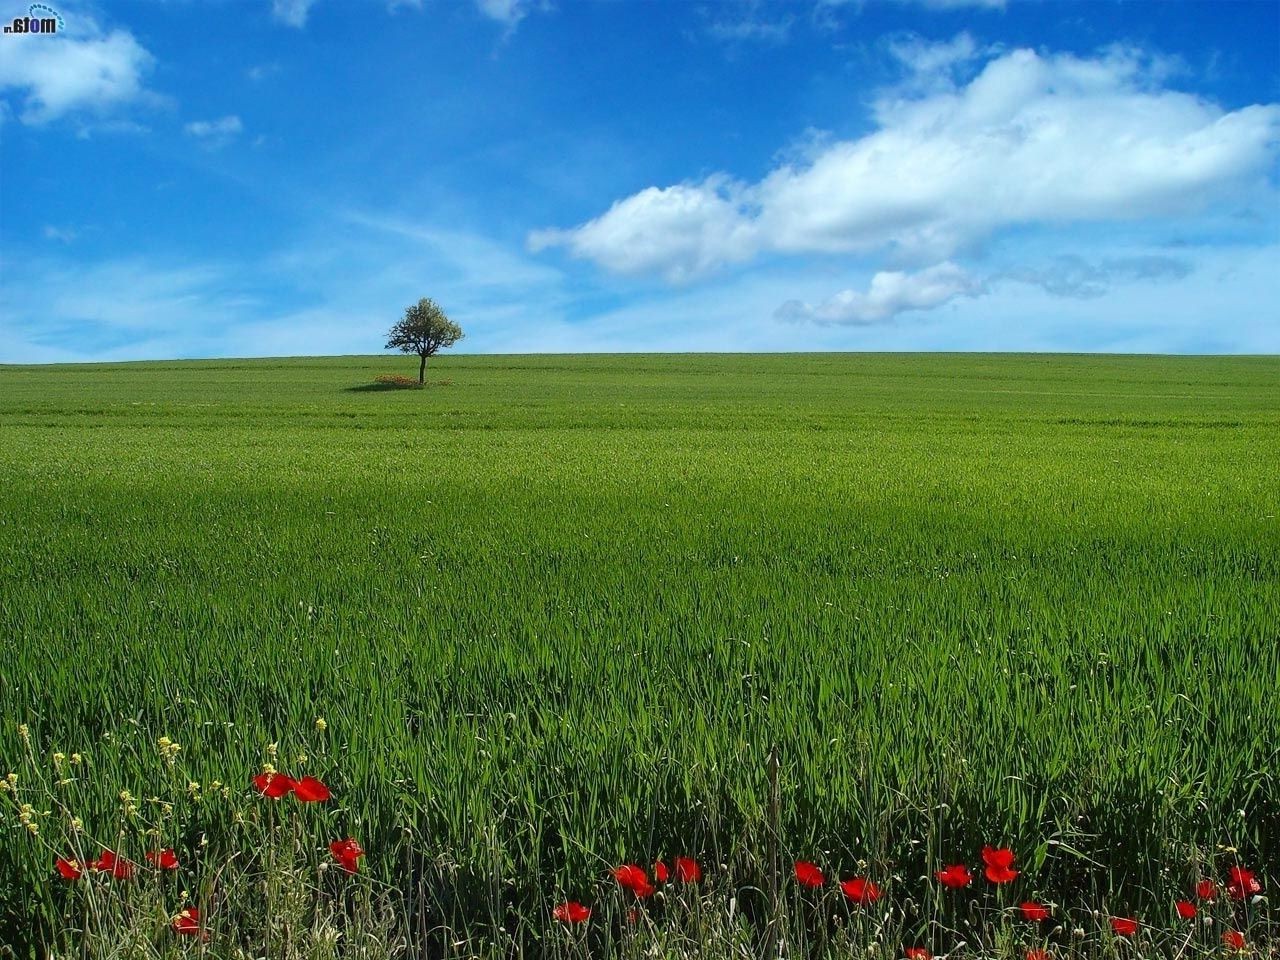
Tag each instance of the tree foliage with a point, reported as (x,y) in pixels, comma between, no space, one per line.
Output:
(423,330)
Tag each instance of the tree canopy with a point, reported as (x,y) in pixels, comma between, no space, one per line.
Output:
(423,330)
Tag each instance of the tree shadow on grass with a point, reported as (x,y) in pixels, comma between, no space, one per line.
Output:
(379,388)
(382,386)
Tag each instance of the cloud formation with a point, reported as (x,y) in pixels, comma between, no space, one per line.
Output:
(215,132)
(1073,276)
(890,293)
(507,12)
(1031,139)
(292,12)
(81,70)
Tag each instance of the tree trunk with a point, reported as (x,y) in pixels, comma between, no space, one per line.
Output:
(422,369)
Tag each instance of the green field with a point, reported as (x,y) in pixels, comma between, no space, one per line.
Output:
(556,610)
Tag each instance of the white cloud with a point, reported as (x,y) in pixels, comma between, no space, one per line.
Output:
(82,69)
(508,12)
(59,234)
(215,132)
(260,71)
(959,4)
(1031,139)
(922,57)
(890,293)
(679,231)
(748,26)
(292,12)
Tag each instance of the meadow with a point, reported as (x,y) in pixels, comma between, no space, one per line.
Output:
(556,613)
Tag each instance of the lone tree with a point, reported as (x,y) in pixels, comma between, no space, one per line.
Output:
(424,330)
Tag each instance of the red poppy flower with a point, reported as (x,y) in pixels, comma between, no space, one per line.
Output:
(571,911)
(860,890)
(1234,939)
(633,878)
(660,872)
(118,867)
(310,790)
(273,785)
(346,852)
(187,924)
(70,869)
(1186,909)
(808,874)
(687,870)
(1124,926)
(1242,883)
(999,864)
(1206,889)
(918,953)
(1039,955)
(1034,912)
(164,859)
(955,876)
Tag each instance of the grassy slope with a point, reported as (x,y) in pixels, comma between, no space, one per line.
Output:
(559,608)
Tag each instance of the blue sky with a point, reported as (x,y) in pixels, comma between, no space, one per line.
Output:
(255,178)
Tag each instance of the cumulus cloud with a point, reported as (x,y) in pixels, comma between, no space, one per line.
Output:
(215,132)
(679,231)
(292,12)
(81,70)
(890,293)
(1030,139)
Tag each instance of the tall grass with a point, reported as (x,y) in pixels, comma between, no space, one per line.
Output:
(556,615)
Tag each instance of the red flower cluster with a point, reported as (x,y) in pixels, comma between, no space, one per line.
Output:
(70,869)
(277,785)
(346,852)
(187,924)
(808,874)
(998,868)
(117,866)
(632,877)
(1035,912)
(687,870)
(955,876)
(860,890)
(1124,926)
(571,911)
(1242,883)
(999,864)
(164,859)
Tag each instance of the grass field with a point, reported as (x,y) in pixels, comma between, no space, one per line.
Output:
(555,613)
